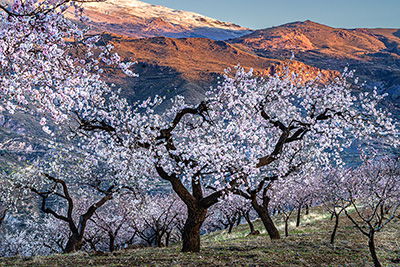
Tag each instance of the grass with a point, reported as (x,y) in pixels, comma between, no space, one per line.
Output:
(307,245)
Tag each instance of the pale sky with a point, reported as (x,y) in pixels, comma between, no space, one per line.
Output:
(258,14)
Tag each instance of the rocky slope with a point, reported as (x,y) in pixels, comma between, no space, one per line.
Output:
(189,66)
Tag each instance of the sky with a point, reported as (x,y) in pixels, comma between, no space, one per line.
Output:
(258,14)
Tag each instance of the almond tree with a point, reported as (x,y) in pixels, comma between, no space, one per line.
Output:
(49,65)
(226,213)
(60,188)
(373,185)
(79,188)
(304,194)
(112,220)
(155,220)
(284,194)
(332,194)
(247,212)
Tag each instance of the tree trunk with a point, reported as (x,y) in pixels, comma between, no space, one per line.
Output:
(2,216)
(267,221)
(167,237)
(251,225)
(74,243)
(191,230)
(158,240)
(231,227)
(286,227)
(298,217)
(335,228)
(307,209)
(371,246)
(112,242)
(239,219)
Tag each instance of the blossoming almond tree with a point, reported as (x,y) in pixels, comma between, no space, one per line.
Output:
(298,122)
(78,187)
(48,63)
(333,196)
(283,195)
(110,223)
(51,66)
(227,212)
(155,222)
(59,188)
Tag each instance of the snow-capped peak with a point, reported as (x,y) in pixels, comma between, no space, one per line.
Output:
(137,19)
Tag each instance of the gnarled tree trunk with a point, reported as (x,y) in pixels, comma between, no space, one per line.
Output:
(191,230)
(197,205)
(74,243)
(262,211)
(249,222)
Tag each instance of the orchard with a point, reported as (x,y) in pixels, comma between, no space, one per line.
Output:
(253,147)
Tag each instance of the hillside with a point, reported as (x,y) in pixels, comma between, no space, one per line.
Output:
(189,66)
(373,53)
(307,245)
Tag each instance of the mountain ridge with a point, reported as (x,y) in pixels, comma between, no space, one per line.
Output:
(374,53)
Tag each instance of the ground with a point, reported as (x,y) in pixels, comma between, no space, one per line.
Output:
(307,245)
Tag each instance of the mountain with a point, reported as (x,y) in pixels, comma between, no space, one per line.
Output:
(373,53)
(188,66)
(134,18)
(312,37)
